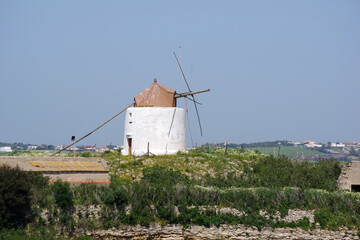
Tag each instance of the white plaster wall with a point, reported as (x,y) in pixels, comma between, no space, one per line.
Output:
(162,127)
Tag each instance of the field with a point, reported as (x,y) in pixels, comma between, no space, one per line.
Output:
(292,152)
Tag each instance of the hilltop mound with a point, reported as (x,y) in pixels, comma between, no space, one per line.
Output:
(211,166)
(242,189)
(196,164)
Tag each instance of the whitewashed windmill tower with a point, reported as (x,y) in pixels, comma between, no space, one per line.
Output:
(154,125)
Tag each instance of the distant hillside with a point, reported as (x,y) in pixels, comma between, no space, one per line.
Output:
(252,145)
(282,147)
(24,146)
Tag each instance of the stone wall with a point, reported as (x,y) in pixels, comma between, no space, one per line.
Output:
(350,175)
(223,232)
(355,173)
(344,181)
(176,231)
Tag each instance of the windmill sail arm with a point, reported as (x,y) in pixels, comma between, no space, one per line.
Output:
(94,130)
(192,95)
(179,95)
(193,101)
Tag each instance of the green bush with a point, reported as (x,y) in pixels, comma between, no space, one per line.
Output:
(15,197)
(63,195)
(116,196)
(120,197)
(40,189)
(86,154)
(89,193)
(277,172)
(304,223)
(322,217)
(163,176)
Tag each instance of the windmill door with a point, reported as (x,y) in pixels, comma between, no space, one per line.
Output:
(130,145)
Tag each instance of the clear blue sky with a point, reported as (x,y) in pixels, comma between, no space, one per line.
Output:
(276,69)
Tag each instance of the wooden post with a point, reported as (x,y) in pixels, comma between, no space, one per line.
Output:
(226,146)
(279,152)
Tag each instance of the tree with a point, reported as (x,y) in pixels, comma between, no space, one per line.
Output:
(15,197)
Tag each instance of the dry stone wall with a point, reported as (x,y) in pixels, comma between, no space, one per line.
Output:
(350,175)
(344,178)
(223,232)
(176,231)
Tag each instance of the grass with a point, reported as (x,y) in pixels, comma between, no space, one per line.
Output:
(292,152)
(194,164)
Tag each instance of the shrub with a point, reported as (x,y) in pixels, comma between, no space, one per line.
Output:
(304,223)
(88,193)
(86,154)
(15,197)
(270,171)
(120,197)
(40,188)
(322,217)
(116,196)
(63,195)
(163,176)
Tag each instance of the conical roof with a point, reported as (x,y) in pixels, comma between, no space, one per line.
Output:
(156,95)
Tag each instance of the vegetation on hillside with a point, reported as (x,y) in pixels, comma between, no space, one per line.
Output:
(204,187)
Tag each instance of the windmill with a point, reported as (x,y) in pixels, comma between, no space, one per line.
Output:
(153,122)
(155,125)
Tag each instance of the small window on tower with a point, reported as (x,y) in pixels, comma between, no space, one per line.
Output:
(130,114)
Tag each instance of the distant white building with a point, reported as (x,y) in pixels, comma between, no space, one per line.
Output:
(337,145)
(295,143)
(73,149)
(352,144)
(59,147)
(103,149)
(5,149)
(312,144)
